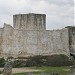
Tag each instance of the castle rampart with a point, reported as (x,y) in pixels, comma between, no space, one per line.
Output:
(29,37)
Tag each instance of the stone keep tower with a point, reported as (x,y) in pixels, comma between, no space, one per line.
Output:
(29,21)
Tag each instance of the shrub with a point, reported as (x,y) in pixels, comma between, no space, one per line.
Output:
(53,60)
(35,61)
(39,60)
(58,60)
(18,63)
(2,62)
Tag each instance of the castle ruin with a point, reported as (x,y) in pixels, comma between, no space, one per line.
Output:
(29,37)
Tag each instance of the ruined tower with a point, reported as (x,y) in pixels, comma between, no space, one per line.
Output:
(29,21)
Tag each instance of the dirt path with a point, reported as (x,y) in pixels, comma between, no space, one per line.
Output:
(20,70)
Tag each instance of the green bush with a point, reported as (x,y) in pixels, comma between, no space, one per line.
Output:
(53,60)
(58,60)
(18,63)
(38,61)
(2,62)
(35,61)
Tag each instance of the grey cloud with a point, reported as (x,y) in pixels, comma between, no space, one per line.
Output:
(61,2)
(59,12)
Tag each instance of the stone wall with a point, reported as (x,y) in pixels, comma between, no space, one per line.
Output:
(72,40)
(41,42)
(29,37)
(1,40)
(7,45)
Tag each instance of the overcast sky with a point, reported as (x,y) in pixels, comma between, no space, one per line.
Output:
(59,13)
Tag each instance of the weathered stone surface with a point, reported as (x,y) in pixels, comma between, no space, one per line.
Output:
(7,69)
(1,40)
(7,36)
(41,42)
(30,21)
(29,36)
(72,40)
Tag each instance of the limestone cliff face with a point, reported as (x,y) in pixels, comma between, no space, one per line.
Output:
(29,37)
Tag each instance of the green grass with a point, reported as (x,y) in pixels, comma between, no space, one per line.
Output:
(0,72)
(60,70)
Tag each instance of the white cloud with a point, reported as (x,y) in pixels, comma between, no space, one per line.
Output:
(60,13)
